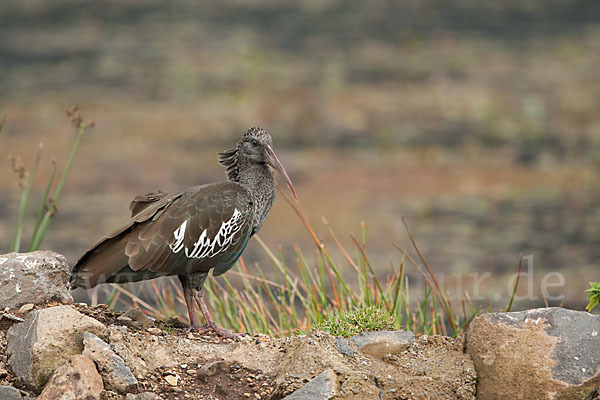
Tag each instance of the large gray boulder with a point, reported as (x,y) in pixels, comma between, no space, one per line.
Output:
(545,353)
(77,378)
(35,278)
(47,339)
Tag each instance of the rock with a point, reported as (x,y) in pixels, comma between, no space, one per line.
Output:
(172,380)
(155,331)
(25,308)
(11,317)
(378,344)
(115,374)
(323,387)
(143,396)
(546,353)
(139,318)
(343,346)
(45,340)
(35,278)
(77,378)
(10,393)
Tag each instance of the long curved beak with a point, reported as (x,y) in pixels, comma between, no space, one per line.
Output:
(273,161)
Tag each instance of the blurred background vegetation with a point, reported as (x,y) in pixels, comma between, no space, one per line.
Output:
(478,121)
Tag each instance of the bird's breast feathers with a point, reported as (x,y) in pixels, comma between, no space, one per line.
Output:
(204,246)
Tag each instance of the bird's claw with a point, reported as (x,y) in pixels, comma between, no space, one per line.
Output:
(226,333)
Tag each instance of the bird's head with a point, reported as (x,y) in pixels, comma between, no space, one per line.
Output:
(256,147)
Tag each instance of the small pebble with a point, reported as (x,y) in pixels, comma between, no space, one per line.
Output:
(247,395)
(26,308)
(124,319)
(191,372)
(172,379)
(155,331)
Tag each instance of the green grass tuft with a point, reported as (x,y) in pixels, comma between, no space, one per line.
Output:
(363,319)
(593,295)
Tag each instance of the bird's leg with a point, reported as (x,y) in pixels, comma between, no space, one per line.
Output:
(192,290)
(188,295)
(210,322)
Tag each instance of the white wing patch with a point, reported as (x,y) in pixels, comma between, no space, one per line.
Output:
(204,246)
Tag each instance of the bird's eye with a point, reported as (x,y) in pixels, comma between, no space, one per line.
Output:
(254,142)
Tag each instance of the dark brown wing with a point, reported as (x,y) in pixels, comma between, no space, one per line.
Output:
(196,230)
(143,201)
(107,256)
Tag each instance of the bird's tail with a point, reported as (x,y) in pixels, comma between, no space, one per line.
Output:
(101,263)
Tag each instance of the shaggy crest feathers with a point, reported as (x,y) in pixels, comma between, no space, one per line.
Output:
(229,158)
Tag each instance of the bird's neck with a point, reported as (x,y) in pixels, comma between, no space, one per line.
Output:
(259,179)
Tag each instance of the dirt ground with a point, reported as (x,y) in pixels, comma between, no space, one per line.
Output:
(430,364)
(221,381)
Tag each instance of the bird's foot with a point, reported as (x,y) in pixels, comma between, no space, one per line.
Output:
(226,333)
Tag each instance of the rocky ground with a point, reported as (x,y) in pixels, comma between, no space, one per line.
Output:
(51,349)
(176,365)
(182,381)
(193,380)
